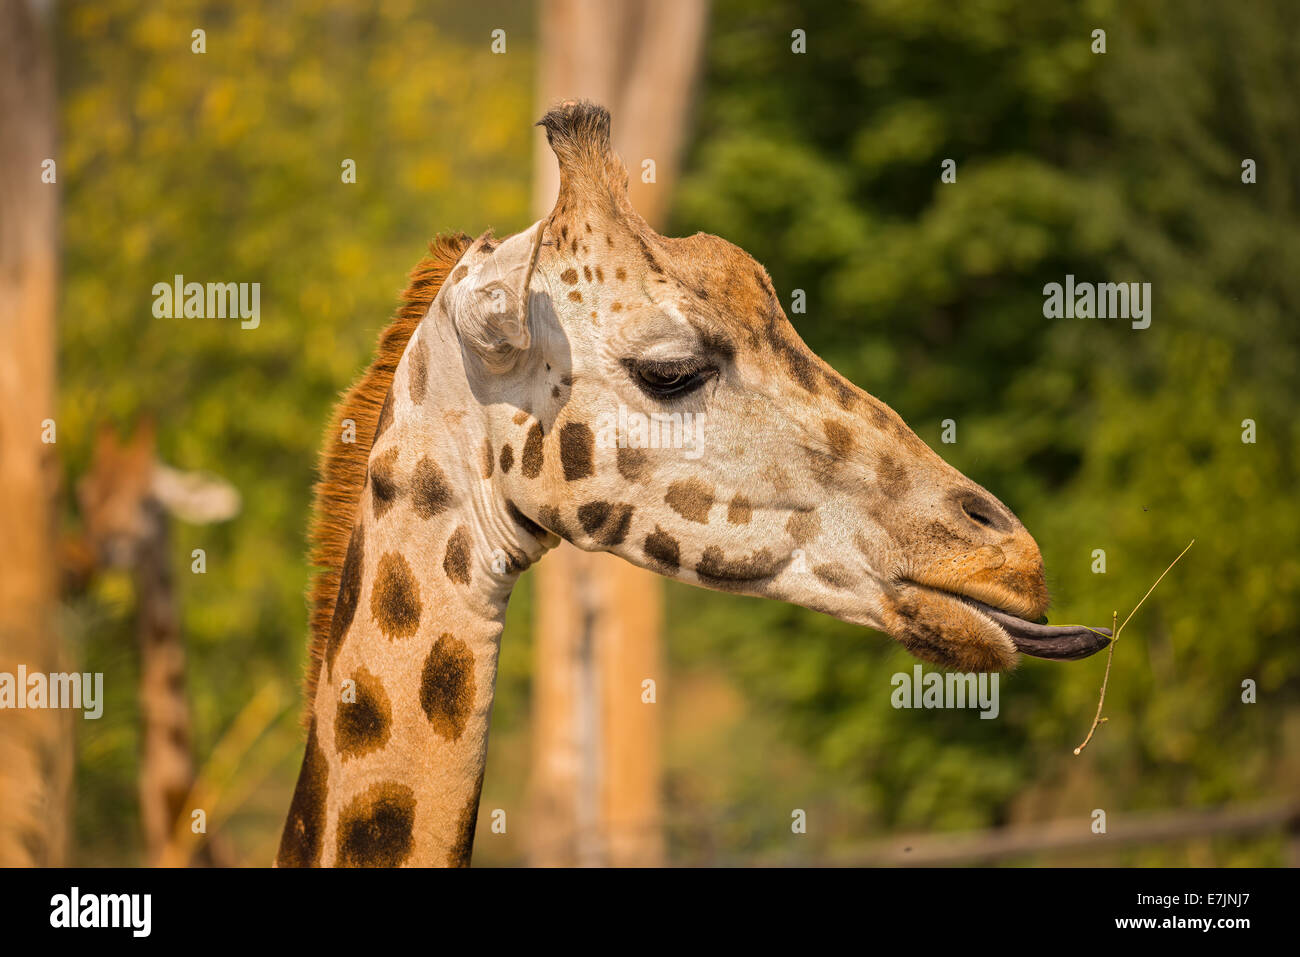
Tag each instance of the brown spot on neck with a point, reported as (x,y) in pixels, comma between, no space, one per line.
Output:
(304,831)
(447,686)
(456,562)
(430,493)
(383,482)
(374,828)
(345,608)
(385,416)
(363,724)
(395,597)
(462,848)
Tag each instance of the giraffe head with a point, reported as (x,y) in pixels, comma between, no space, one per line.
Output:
(648,397)
(127,491)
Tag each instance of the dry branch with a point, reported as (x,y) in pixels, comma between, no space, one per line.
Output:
(1098,720)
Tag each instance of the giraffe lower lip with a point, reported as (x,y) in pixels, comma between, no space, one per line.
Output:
(1054,642)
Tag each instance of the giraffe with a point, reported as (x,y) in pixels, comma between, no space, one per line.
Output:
(485,404)
(126,500)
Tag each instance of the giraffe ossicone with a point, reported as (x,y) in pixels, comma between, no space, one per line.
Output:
(484,404)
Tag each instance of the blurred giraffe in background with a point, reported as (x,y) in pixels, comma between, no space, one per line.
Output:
(125,500)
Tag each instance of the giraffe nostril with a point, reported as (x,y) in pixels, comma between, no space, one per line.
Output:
(983,511)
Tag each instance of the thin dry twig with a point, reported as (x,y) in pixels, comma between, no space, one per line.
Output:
(1098,720)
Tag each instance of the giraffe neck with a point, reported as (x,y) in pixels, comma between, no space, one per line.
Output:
(399,730)
(166,765)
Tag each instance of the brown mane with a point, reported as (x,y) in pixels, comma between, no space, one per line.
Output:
(342,464)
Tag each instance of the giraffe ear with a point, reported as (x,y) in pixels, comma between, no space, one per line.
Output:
(198,498)
(488,305)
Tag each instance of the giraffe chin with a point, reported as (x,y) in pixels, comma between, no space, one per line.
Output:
(935,626)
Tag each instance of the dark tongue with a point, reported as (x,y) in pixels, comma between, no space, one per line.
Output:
(1059,642)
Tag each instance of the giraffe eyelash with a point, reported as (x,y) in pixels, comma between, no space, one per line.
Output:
(669,378)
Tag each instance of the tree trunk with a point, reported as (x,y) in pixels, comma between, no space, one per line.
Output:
(596,769)
(36,746)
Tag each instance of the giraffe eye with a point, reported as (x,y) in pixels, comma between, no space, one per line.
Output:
(669,378)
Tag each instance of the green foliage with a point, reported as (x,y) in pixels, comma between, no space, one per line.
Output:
(1117,167)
